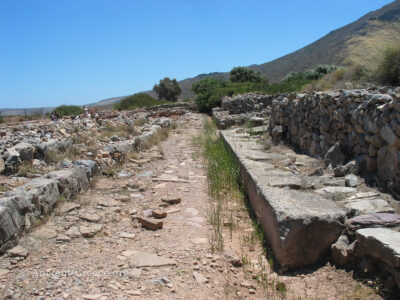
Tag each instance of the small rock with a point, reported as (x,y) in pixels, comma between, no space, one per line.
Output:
(172,201)
(334,156)
(200,278)
(340,171)
(68,207)
(135,293)
(147,213)
(127,235)
(232,258)
(351,180)
(122,198)
(158,214)
(73,232)
(317,172)
(90,217)
(18,251)
(133,273)
(90,230)
(151,224)
(247,285)
(61,238)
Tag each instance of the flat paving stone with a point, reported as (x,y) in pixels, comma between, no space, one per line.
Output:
(140,259)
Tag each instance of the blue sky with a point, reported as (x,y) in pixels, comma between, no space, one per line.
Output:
(81,51)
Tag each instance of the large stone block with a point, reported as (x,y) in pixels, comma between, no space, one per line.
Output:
(41,192)
(301,226)
(12,221)
(335,156)
(25,150)
(70,181)
(2,165)
(387,163)
(380,243)
(92,168)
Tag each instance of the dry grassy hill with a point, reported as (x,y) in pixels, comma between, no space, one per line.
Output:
(360,42)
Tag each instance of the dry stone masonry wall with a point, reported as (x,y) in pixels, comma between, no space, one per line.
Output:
(238,110)
(363,124)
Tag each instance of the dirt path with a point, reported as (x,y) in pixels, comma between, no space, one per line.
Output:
(95,248)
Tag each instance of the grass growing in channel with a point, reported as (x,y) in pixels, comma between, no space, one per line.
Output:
(223,179)
(223,174)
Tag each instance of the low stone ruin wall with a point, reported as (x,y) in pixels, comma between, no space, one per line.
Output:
(238,110)
(24,207)
(361,123)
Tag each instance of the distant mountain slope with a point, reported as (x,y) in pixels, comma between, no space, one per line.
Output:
(360,42)
(108,101)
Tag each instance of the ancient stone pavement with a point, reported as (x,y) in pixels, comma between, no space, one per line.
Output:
(109,244)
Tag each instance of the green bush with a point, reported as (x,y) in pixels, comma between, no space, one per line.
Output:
(204,89)
(317,73)
(136,101)
(209,92)
(389,67)
(68,110)
(242,74)
(168,89)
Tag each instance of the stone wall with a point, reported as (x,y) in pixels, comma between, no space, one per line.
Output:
(363,123)
(245,103)
(238,110)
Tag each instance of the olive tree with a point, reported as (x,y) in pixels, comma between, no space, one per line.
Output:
(167,89)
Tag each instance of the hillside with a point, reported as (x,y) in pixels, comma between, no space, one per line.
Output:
(360,42)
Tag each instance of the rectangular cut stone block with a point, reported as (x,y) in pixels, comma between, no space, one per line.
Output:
(70,181)
(381,243)
(301,226)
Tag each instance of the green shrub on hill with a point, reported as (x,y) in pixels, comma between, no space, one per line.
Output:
(389,67)
(317,73)
(68,110)
(136,101)
(242,74)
